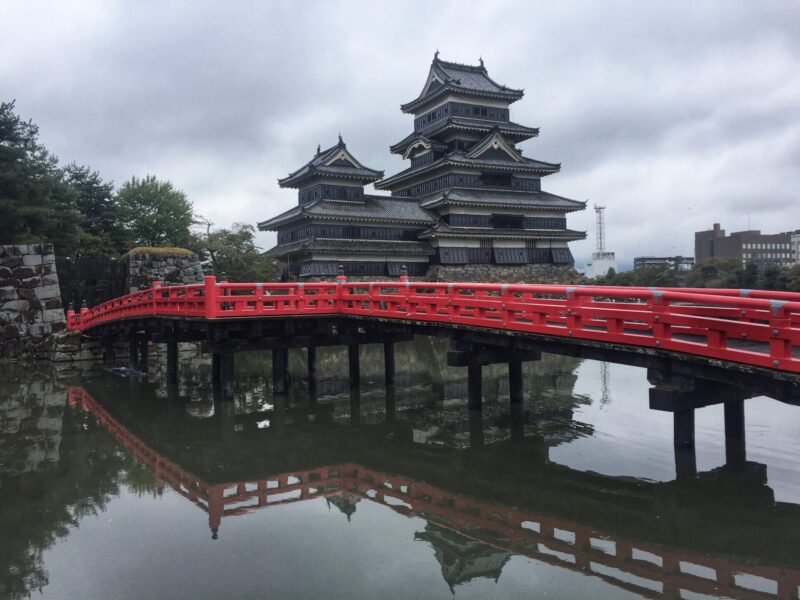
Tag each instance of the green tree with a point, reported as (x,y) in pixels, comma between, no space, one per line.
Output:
(100,231)
(650,276)
(233,254)
(774,278)
(37,203)
(716,273)
(153,213)
(750,276)
(793,279)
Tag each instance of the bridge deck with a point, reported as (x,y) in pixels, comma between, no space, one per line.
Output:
(755,328)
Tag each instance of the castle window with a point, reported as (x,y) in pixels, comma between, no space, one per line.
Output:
(496,179)
(508,221)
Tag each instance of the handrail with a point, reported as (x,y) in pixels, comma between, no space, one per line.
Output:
(757,328)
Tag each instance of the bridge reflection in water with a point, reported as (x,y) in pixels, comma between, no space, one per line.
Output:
(718,533)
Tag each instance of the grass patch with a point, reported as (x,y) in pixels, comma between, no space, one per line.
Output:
(159,251)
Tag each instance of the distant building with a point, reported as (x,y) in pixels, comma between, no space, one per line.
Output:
(602,260)
(601,264)
(796,245)
(746,246)
(681,263)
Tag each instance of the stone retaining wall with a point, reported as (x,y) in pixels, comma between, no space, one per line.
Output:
(177,268)
(30,422)
(556,274)
(30,300)
(504,274)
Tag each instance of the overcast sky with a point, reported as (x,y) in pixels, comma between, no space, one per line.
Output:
(674,115)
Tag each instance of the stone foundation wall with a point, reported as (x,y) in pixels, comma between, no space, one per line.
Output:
(483,274)
(504,274)
(30,422)
(30,300)
(177,268)
(73,346)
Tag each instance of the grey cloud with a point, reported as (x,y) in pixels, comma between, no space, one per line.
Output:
(673,115)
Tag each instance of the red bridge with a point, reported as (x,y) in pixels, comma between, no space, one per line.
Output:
(741,327)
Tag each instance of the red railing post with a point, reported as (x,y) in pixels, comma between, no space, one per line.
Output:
(341,280)
(574,312)
(210,297)
(300,303)
(780,340)
(153,292)
(505,314)
(661,331)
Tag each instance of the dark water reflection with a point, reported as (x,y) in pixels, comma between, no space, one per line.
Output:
(115,487)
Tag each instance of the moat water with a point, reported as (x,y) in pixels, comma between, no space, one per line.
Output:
(118,486)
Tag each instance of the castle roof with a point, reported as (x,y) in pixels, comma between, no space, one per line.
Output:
(350,245)
(449,77)
(458,158)
(374,209)
(513,131)
(335,161)
(502,199)
(443,230)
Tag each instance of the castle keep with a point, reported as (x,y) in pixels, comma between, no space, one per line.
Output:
(469,202)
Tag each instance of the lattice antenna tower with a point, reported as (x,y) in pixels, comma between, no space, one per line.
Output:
(601,227)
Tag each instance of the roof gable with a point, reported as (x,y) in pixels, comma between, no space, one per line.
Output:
(456,77)
(339,156)
(336,161)
(495,145)
(433,83)
(420,144)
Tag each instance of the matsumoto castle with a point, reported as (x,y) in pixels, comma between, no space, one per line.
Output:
(469,205)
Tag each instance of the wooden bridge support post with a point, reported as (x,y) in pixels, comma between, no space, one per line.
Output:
(280,371)
(685,456)
(475,429)
(683,427)
(279,413)
(515,382)
(312,373)
(144,360)
(108,352)
(216,370)
(354,365)
(735,449)
(517,415)
(388,363)
(474,387)
(355,406)
(685,463)
(172,362)
(391,397)
(226,376)
(133,353)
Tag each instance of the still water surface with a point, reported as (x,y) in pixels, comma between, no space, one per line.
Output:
(119,487)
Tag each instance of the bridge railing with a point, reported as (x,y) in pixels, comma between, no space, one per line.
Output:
(730,327)
(757,328)
(279,299)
